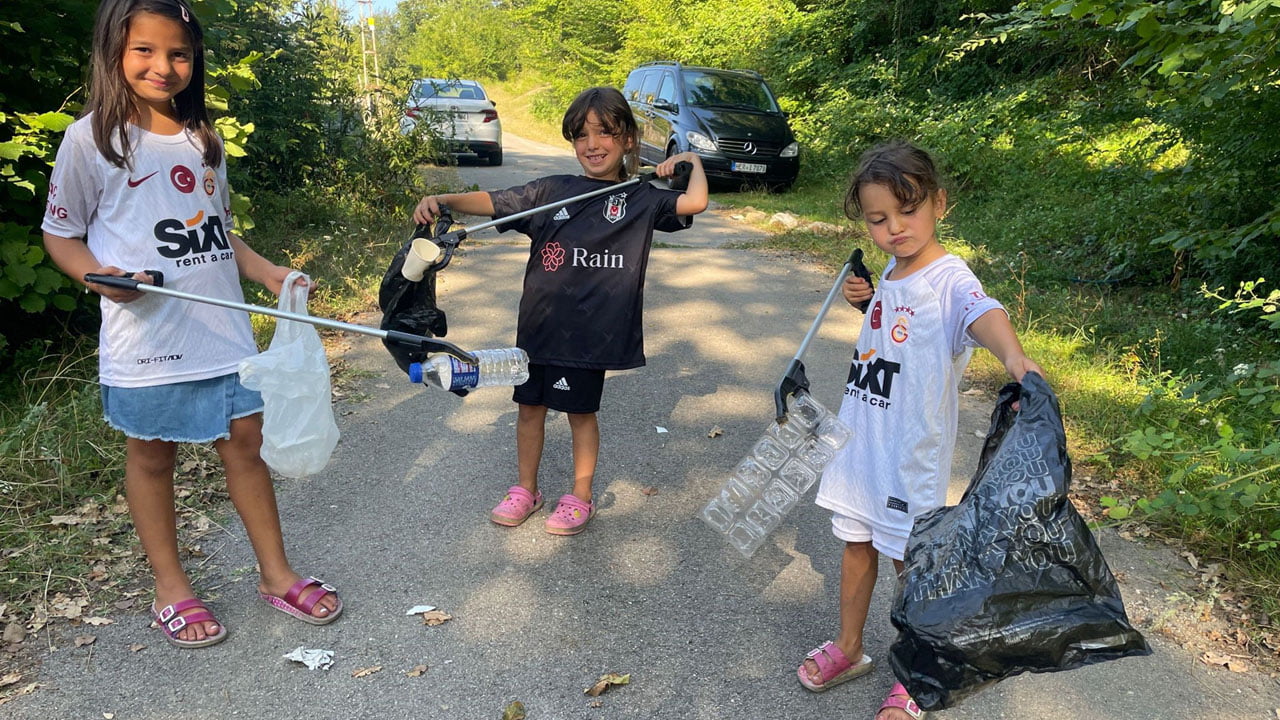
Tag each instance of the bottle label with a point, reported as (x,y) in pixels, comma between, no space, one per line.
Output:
(463,376)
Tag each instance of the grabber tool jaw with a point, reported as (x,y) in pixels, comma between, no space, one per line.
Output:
(445,239)
(430,345)
(793,382)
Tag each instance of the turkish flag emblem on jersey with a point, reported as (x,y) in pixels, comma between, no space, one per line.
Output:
(875,316)
(616,208)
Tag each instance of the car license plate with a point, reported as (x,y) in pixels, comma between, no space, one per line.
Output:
(748,167)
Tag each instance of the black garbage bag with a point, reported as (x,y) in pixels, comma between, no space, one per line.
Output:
(410,307)
(1010,580)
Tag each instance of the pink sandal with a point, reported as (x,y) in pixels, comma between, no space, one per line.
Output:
(901,699)
(570,516)
(295,604)
(171,621)
(833,668)
(516,507)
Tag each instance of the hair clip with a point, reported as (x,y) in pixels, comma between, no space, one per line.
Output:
(185,17)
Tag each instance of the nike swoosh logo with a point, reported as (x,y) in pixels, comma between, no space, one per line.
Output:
(139,181)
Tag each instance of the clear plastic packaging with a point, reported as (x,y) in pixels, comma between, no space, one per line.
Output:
(504,366)
(781,467)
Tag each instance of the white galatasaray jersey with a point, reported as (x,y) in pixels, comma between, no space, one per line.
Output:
(902,398)
(168,212)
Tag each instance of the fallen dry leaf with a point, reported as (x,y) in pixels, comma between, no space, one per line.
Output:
(66,520)
(137,647)
(97,621)
(82,640)
(715,432)
(417,671)
(1191,560)
(596,703)
(514,711)
(26,690)
(1229,662)
(606,681)
(648,490)
(14,633)
(435,617)
(365,672)
(10,679)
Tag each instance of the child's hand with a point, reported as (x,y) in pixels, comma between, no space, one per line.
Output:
(856,290)
(1021,365)
(667,168)
(427,211)
(115,294)
(276,276)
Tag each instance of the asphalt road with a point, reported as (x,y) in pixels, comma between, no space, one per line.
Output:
(399,518)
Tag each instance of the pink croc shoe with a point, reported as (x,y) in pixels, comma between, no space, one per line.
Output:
(516,507)
(570,516)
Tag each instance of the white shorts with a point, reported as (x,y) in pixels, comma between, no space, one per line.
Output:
(857,530)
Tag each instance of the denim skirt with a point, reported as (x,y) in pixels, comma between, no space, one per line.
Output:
(198,411)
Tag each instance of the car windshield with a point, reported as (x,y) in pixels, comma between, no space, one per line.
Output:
(736,91)
(428,89)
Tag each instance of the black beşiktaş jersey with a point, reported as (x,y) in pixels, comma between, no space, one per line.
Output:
(584,283)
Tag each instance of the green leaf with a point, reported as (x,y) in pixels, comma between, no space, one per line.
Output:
(64,302)
(1120,512)
(13,150)
(23,275)
(55,121)
(233,149)
(32,303)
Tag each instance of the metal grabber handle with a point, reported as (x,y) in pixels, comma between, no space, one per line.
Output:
(126,282)
(449,241)
(794,380)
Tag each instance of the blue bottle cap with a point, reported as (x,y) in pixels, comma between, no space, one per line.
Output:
(415,373)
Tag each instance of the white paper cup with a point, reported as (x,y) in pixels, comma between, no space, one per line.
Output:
(422,254)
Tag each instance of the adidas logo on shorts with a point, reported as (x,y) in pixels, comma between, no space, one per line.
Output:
(562,215)
(561,384)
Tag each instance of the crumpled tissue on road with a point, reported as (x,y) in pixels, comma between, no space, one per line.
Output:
(312,658)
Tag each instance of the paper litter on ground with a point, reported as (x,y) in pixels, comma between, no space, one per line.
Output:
(419,609)
(312,658)
(660,428)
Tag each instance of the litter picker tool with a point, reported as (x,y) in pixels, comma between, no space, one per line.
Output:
(423,258)
(407,296)
(404,339)
(794,380)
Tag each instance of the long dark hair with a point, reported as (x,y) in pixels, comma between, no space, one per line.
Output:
(905,169)
(112,101)
(614,113)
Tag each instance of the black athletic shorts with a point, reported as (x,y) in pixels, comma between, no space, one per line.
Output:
(569,390)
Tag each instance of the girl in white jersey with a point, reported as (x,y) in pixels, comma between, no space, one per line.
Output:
(139,184)
(925,317)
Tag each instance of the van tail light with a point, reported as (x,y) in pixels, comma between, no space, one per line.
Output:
(490,115)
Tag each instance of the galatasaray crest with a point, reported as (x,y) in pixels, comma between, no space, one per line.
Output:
(616,208)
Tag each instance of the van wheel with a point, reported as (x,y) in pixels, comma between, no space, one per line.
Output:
(495,157)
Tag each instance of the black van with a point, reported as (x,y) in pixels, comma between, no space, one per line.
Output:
(729,117)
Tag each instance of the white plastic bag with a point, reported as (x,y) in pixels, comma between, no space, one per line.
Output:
(298,429)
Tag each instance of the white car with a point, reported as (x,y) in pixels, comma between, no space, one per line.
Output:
(460,112)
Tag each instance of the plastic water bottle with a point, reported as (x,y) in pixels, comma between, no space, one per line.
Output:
(779,469)
(504,366)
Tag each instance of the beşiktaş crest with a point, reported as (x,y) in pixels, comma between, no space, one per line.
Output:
(616,208)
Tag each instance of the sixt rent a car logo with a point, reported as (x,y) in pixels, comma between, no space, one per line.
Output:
(871,382)
(193,241)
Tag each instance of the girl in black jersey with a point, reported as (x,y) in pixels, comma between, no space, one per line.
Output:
(580,312)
